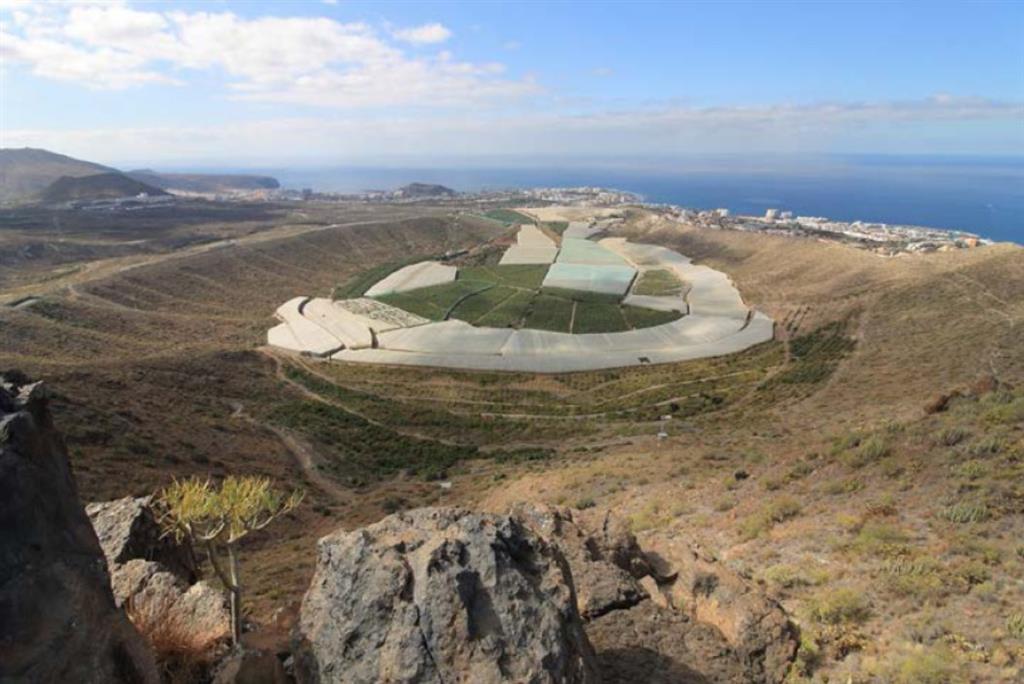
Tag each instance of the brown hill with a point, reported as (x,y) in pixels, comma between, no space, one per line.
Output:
(113,185)
(205,183)
(24,173)
(809,464)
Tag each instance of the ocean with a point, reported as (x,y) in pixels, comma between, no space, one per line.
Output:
(978,195)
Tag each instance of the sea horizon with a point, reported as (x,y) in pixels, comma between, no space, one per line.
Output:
(982,195)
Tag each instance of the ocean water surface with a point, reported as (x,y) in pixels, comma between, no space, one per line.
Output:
(979,195)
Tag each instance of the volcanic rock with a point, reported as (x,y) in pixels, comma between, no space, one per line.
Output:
(58,619)
(441,594)
(128,529)
(602,554)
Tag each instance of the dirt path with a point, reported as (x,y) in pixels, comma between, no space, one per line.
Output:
(313,396)
(303,454)
(104,268)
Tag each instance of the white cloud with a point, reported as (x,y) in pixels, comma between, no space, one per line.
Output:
(603,72)
(427,34)
(314,61)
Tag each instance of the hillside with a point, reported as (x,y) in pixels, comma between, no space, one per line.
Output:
(24,173)
(111,185)
(204,183)
(423,191)
(816,464)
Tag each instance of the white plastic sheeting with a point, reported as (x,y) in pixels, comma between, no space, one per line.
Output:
(446,337)
(532,246)
(658,303)
(760,329)
(718,323)
(711,293)
(580,230)
(413,277)
(300,333)
(578,251)
(342,324)
(603,279)
(532,236)
(518,254)
(378,315)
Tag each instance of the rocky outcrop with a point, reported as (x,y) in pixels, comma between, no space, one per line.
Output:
(153,576)
(666,608)
(58,619)
(754,625)
(605,559)
(441,595)
(128,529)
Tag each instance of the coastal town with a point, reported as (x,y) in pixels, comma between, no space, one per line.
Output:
(882,238)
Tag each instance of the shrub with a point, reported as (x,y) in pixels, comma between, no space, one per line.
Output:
(873,449)
(780,510)
(985,446)
(841,606)
(934,665)
(788,576)
(952,436)
(967,512)
(1015,626)
(182,653)
(970,470)
(880,539)
(847,486)
(783,509)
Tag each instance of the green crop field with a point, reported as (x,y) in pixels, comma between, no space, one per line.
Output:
(598,317)
(433,302)
(520,276)
(558,227)
(581,295)
(508,216)
(658,283)
(639,317)
(475,306)
(509,313)
(550,313)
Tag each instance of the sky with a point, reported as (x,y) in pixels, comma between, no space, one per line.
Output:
(336,82)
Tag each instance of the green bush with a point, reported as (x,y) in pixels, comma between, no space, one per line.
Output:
(873,449)
(952,436)
(1015,626)
(840,606)
(934,665)
(967,512)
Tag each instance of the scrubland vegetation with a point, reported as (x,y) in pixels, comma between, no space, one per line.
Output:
(854,468)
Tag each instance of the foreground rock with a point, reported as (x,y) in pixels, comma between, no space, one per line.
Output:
(666,609)
(441,595)
(754,625)
(154,577)
(605,560)
(58,620)
(128,529)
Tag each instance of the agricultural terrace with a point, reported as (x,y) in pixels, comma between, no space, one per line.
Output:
(556,301)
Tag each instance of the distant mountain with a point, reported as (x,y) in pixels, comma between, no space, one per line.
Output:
(110,185)
(26,172)
(204,182)
(424,190)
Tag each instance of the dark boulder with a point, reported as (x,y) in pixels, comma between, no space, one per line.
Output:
(58,619)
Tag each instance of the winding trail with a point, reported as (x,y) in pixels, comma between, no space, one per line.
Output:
(304,455)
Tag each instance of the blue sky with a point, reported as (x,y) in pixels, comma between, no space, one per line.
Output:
(317,82)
